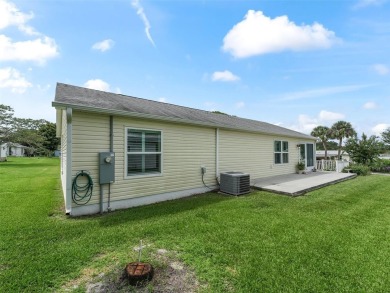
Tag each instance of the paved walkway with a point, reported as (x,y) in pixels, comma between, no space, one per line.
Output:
(298,184)
(384,174)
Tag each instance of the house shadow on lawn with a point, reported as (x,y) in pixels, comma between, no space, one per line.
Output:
(157,210)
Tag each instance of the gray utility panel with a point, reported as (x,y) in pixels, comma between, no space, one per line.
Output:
(106,167)
(235,183)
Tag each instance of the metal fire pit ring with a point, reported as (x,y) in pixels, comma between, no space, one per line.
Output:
(138,273)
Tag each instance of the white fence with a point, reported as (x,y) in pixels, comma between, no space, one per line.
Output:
(331,165)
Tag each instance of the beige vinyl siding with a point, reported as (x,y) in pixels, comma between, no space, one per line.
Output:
(63,151)
(184,150)
(90,135)
(254,154)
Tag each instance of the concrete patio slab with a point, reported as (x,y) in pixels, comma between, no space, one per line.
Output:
(298,184)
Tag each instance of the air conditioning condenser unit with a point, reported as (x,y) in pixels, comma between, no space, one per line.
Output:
(235,183)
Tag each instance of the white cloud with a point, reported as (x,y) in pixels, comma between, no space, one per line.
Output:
(325,116)
(97,84)
(306,123)
(39,49)
(224,76)
(240,105)
(365,3)
(258,34)
(381,69)
(140,11)
(10,15)
(320,92)
(379,128)
(104,45)
(10,78)
(369,105)
(162,99)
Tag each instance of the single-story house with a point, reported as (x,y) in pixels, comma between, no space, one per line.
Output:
(16,149)
(135,151)
(11,149)
(332,155)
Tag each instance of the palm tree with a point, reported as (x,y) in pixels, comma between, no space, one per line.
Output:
(340,130)
(322,133)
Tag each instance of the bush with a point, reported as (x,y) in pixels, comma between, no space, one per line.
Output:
(382,166)
(359,169)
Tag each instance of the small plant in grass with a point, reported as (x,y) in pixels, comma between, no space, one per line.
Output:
(359,169)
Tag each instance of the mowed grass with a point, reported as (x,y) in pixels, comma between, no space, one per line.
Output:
(336,239)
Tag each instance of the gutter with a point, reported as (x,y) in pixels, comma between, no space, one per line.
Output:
(217,153)
(168,119)
(68,196)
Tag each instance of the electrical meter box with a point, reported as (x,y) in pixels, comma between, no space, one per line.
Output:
(106,167)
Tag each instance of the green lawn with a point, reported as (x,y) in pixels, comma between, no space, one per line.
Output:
(336,239)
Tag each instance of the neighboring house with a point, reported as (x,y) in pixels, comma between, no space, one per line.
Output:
(384,156)
(11,149)
(16,150)
(159,148)
(332,155)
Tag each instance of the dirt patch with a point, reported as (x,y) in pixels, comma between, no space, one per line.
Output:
(170,275)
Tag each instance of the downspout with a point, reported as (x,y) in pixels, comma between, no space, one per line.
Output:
(101,198)
(217,154)
(111,150)
(68,196)
(111,138)
(111,133)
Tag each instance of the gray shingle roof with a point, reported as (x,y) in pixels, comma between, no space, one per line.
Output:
(94,100)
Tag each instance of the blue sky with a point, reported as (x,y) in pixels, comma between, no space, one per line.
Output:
(297,64)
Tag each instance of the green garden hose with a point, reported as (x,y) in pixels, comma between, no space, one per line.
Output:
(82,193)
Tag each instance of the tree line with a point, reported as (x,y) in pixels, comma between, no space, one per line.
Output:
(362,151)
(38,136)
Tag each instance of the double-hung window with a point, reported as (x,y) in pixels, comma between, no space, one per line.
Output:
(281,152)
(143,150)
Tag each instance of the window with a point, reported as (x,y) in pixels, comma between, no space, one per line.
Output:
(281,152)
(143,152)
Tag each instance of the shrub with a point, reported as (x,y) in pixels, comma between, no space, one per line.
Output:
(301,166)
(380,165)
(359,169)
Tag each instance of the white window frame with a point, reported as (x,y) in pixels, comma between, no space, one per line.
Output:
(282,152)
(140,175)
